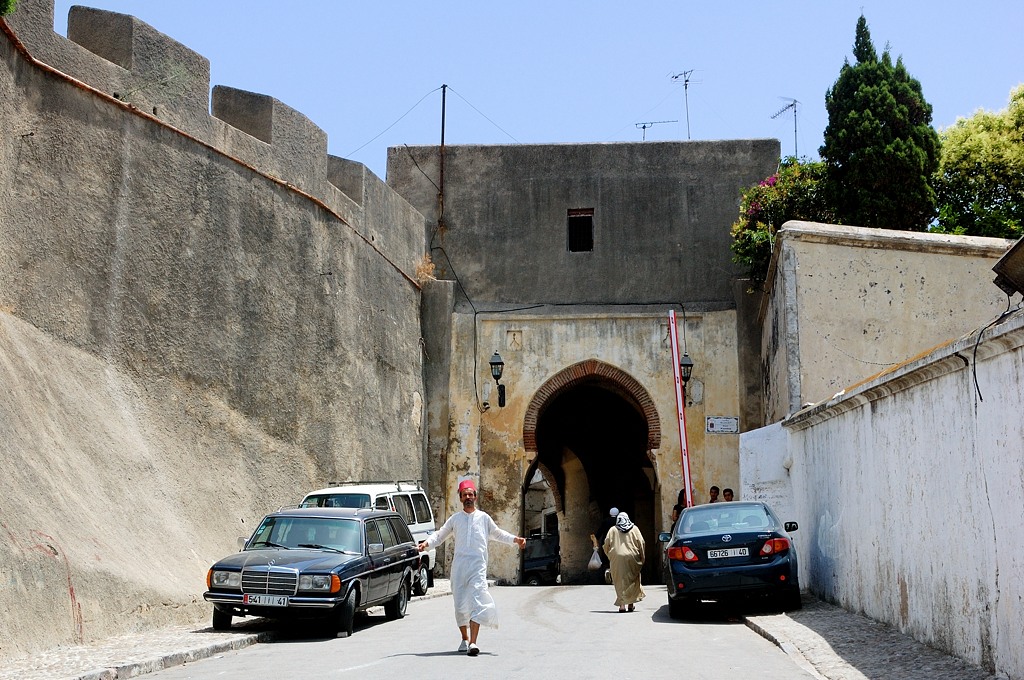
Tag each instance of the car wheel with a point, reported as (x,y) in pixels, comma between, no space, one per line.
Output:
(221,619)
(345,615)
(678,607)
(396,607)
(533,580)
(422,580)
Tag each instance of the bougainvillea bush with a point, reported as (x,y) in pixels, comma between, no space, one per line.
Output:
(794,192)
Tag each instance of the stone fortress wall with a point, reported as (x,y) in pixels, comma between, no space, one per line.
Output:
(201,318)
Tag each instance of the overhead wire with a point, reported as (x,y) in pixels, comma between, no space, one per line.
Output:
(377,136)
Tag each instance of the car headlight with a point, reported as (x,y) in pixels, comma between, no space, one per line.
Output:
(226,579)
(315,582)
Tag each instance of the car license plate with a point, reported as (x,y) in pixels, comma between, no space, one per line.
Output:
(265,600)
(728,552)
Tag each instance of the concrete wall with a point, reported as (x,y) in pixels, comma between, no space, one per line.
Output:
(908,492)
(196,324)
(662,212)
(847,302)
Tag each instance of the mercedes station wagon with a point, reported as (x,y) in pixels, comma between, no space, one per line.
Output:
(325,563)
(729,551)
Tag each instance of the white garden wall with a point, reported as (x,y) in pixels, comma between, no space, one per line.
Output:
(909,491)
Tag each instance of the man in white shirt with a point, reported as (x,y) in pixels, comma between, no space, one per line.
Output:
(473,528)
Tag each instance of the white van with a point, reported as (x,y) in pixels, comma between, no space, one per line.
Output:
(408,499)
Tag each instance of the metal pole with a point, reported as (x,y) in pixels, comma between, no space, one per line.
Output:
(684,453)
(440,186)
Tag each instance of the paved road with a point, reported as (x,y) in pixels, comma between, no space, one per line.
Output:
(567,632)
(820,641)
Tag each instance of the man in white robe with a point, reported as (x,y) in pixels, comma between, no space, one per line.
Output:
(473,528)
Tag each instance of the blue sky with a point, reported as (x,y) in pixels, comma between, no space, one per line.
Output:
(369,73)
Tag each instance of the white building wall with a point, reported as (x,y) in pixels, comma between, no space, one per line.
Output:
(847,302)
(909,490)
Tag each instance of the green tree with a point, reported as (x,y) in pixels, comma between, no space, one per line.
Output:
(7,6)
(980,182)
(792,193)
(880,149)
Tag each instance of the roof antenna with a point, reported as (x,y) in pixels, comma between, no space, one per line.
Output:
(644,126)
(685,77)
(791,105)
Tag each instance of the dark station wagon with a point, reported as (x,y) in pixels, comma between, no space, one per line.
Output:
(326,563)
(728,551)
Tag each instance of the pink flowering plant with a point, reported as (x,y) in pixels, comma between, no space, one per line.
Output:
(792,193)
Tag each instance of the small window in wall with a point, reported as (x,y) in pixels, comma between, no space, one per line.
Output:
(580,223)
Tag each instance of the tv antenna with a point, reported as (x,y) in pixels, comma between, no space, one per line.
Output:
(684,77)
(791,105)
(644,126)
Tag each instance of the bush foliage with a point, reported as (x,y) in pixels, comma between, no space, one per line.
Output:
(980,182)
(794,192)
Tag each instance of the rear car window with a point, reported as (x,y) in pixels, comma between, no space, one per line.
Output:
(336,500)
(382,503)
(404,507)
(419,502)
(400,529)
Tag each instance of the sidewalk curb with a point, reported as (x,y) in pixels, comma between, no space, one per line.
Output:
(136,668)
(787,647)
(165,661)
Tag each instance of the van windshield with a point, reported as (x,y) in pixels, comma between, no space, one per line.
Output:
(336,500)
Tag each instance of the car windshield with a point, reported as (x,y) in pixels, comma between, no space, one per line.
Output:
(336,500)
(724,517)
(325,533)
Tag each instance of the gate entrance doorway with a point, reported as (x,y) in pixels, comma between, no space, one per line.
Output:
(591,428)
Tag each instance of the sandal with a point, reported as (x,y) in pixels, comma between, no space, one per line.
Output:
(622,610)
(629,608)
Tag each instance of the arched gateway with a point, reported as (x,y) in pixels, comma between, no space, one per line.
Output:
(591,430)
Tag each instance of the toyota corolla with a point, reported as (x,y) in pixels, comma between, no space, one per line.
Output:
(728,551)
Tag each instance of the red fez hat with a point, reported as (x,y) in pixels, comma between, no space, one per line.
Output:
(466,484)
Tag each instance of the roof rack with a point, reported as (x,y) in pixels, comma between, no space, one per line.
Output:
(408,484)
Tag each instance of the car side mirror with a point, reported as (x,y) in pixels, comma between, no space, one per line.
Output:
(376,548)
(664,537)
(241,542)
(791,526)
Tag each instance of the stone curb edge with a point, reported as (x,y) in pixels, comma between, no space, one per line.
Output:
(787,647)
(159,663)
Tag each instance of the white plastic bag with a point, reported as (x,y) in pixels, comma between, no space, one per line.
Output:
(595,561)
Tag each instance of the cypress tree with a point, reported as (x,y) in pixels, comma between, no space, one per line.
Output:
(880,149)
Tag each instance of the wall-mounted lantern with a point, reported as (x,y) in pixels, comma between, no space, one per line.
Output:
(685,367)
(497,366)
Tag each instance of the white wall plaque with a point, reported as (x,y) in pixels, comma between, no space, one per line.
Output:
(722,425)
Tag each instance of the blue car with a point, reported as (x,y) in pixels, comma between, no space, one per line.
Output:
(325,563)
(729,551)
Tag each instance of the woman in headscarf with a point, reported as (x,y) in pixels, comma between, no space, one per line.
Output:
(624,546)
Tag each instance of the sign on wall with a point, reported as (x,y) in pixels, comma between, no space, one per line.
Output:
(722,425)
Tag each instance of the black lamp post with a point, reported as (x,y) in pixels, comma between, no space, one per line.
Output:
(497,366)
